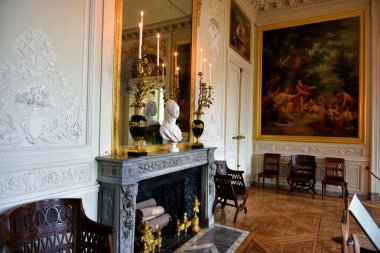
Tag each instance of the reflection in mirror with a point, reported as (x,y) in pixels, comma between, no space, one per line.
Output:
(171,50)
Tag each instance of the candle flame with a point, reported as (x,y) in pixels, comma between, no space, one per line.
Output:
(158,35)
(142,13)
(175,53)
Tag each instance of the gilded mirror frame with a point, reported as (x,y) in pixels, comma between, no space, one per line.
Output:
(117,149)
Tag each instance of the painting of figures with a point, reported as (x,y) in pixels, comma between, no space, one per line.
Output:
(240,31)
(310,80)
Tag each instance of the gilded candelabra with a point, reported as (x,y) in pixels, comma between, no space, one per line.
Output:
(204,101)
(143,87)
(194,222)
(150,242)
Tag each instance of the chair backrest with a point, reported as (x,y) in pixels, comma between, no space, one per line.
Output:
(221,167)
(335,168)
(235,177)
(53,225)
(271,163)
(302,166)
(223,186)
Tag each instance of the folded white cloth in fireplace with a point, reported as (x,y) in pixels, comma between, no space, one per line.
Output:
(150,211)
(146,203)
(159,222)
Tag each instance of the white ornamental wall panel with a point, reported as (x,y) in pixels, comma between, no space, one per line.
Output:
(50,53)
(42,179)
(45,75)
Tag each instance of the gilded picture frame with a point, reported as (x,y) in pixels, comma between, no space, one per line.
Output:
(311,79)
(240,31)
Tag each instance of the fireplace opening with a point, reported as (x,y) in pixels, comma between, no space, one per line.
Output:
(175,192)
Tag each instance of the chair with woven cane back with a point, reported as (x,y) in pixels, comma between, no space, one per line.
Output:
(55,225)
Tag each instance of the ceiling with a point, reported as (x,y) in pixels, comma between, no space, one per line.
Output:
(155,11)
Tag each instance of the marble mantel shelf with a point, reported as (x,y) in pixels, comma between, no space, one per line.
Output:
(119,177)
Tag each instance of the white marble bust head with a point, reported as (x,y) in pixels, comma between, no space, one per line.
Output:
(169,130)
(150,110)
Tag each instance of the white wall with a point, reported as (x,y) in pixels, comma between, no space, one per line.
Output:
(50,62)
(57,57)
(357,156)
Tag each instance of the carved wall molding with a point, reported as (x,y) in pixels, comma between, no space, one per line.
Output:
(264,6)
(357,152)
(37,180)
(36,106)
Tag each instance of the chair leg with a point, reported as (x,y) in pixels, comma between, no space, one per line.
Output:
(323,190)
(258,184)
(278,184)
(263,183)
(237,210)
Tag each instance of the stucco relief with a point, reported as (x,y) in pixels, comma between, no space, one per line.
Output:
(26,182)
(212,130)
(317,150)
(36,106)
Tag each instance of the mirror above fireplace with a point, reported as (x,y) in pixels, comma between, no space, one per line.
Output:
(175,22)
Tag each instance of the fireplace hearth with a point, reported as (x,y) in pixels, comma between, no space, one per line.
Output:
(173,179)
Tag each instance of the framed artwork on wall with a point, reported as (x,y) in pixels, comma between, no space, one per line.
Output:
(311,79)
(240,31)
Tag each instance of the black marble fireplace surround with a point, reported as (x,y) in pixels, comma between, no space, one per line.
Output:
(125,181)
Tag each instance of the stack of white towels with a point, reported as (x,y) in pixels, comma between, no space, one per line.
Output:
(156,217)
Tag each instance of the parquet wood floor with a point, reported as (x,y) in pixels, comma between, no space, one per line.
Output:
(290,223)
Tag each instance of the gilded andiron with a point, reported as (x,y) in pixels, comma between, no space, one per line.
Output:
(204,100)
(194,222)
(150,242)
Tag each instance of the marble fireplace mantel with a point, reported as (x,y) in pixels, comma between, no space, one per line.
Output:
(119,177)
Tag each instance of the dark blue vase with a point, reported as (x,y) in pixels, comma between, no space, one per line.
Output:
(137,128)
(197,128)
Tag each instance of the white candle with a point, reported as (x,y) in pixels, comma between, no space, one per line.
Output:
(141,32)
(177,73)
(158,49)
(175,61)
(201,59)
(163,73)
(210,76)
(204,64)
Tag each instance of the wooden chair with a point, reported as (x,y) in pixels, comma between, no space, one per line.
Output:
(55,225)
(229,185)
(301,173)
(335,170)
(271,169)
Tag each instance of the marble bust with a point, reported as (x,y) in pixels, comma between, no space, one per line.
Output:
(169,130)
(150,111)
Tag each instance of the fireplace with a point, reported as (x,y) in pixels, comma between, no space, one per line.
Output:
(175,192)
(173,179)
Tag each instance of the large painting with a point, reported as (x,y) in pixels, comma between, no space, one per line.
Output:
(311,80)
(240,31)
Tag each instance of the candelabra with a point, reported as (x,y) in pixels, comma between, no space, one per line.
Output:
(204,100)
(143,87)
(194,222)
(150,242)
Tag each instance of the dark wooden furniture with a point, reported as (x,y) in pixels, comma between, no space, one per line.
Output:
(55,225)
(301,173)
(335,170)
(271,169)
(229,185)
